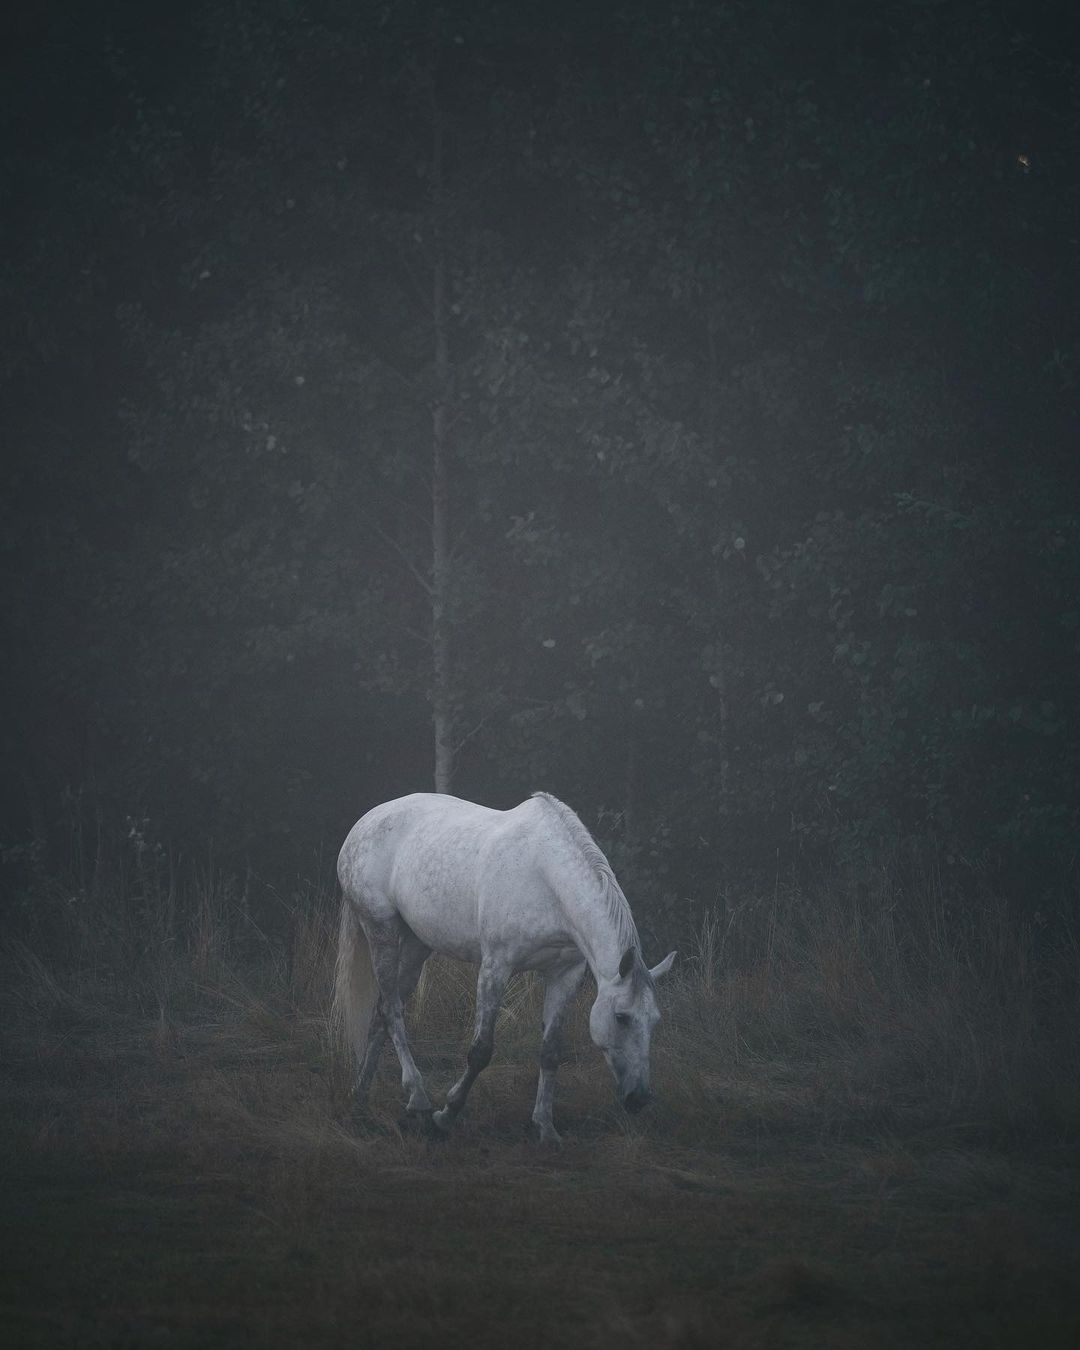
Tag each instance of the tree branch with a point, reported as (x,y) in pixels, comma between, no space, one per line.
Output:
(389,540)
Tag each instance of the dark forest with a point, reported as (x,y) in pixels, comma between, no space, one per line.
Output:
(670,407)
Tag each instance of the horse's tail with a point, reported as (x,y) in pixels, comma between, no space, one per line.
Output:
(355,990)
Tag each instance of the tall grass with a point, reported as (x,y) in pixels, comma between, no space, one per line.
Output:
(152,942)
(893,1004)
(845,1008)
(867,1100)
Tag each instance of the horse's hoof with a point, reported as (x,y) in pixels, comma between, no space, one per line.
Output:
(550,1136)
(442,1120)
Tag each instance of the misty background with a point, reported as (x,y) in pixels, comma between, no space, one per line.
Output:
(670,407)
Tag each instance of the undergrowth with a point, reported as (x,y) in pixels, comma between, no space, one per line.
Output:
(863,1134)
(846,1009)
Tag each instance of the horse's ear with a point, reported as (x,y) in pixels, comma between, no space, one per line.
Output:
(663,967)
(626,965)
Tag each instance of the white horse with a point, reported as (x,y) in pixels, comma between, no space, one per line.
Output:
(525,889)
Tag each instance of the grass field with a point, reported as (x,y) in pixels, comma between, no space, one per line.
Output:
(865,1135)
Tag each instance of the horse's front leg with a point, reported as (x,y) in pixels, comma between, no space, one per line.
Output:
(490,987)
(561,987)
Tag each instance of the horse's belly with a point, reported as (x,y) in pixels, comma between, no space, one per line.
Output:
(552,956)
(443,922)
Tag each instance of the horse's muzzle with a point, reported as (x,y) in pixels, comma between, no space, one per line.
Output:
(634,1101)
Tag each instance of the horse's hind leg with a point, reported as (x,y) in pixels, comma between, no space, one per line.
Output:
(395,956)
(411,957)
(376,1040)
(560,988)
(490,987)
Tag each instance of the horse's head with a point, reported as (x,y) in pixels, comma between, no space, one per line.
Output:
(621,1024)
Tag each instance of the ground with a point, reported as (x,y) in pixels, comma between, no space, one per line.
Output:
(194,1178)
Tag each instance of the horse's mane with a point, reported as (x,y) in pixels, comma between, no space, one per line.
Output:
(616,903)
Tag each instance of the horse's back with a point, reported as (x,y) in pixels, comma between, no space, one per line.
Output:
(406,829)
(428,858)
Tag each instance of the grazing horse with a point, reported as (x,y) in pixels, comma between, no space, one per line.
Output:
(525,889)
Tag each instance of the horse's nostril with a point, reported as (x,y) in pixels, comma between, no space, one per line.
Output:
(634,1101)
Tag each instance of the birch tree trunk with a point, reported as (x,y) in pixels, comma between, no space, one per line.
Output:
(720,674)
(442,708)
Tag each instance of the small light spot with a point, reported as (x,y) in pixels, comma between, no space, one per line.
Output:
(548,642)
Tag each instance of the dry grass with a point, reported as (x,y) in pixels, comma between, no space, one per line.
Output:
(864,1137)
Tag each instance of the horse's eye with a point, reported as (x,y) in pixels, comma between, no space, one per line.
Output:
(623,1019)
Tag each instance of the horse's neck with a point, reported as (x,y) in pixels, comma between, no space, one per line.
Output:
(601,951)
(597,937)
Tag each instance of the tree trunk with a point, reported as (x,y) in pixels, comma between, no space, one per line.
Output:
(720,673)
(722,720)
(630,783)
(442,710)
